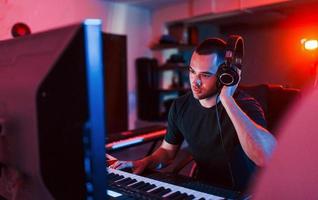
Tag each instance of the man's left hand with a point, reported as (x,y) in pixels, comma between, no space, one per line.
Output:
(228,91)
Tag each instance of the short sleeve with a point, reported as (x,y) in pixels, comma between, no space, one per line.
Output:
(254,110)
(173,135)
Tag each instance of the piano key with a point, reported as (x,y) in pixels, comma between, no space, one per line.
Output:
(141,185)
(123,181)
(136,185)
(176,191)
(165,191)
(157,190)
(112,176)
(130,181)
(181,197)
(173,195)
(190,197)
(119,177)
(144,187)
(149,187)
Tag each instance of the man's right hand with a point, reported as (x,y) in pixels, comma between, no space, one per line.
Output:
(163,155)
(137,166)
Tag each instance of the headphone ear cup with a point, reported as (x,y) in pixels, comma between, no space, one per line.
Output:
(220,71)
(227,75)
(235,74)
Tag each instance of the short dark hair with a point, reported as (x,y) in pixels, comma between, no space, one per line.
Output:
(212,45)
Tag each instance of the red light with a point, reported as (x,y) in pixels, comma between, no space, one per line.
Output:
(20,29)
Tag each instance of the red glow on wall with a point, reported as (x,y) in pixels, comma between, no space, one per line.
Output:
(298,25)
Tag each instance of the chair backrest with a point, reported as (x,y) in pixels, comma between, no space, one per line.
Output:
(274,99)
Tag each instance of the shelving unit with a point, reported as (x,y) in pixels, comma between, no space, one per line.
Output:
(158,86)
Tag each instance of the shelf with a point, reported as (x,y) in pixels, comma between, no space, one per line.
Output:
(159,47)
(159,85)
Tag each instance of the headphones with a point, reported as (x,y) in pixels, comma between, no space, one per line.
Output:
(227,73)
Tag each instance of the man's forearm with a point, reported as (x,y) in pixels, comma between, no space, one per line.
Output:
(161,157)
(256,141)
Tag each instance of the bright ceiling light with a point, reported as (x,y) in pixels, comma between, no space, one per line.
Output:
(309,44)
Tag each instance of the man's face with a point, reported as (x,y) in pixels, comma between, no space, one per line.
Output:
(202,73)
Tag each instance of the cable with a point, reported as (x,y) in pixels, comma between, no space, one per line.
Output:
(221,136)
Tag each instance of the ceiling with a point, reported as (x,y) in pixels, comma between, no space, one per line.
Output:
(149,4)
(262,14)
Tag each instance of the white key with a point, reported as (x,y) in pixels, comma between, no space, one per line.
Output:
(174,188)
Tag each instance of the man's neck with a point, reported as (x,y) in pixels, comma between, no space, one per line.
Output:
(209,102)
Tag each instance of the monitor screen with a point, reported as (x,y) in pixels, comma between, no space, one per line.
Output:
(52,113)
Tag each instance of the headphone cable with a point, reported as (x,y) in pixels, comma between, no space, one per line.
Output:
(221,136)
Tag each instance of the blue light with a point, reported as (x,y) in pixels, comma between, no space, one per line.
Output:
(95,88)
(87,164)
(93,22)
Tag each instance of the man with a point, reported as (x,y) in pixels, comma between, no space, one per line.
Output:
(224,131)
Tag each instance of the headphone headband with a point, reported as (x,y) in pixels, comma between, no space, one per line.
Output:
(234,50)
(227,73)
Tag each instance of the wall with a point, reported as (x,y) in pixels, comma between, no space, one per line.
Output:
(266,59)
(140,25)
(275,55)
(273,51)
(117,18)
(195,8)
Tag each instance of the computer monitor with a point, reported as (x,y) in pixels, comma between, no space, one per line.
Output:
(52,112)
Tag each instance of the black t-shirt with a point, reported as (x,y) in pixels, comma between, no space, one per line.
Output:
(196,124)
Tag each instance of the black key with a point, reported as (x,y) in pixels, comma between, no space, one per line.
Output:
(110,179)
(144,188)
(136,184)
(173,195)
(165,191)
(123,181)
(157,190)
(190,197)
(131,181)
(118,177)
(181,197)
(149,187)
(113,177)
(142,184)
